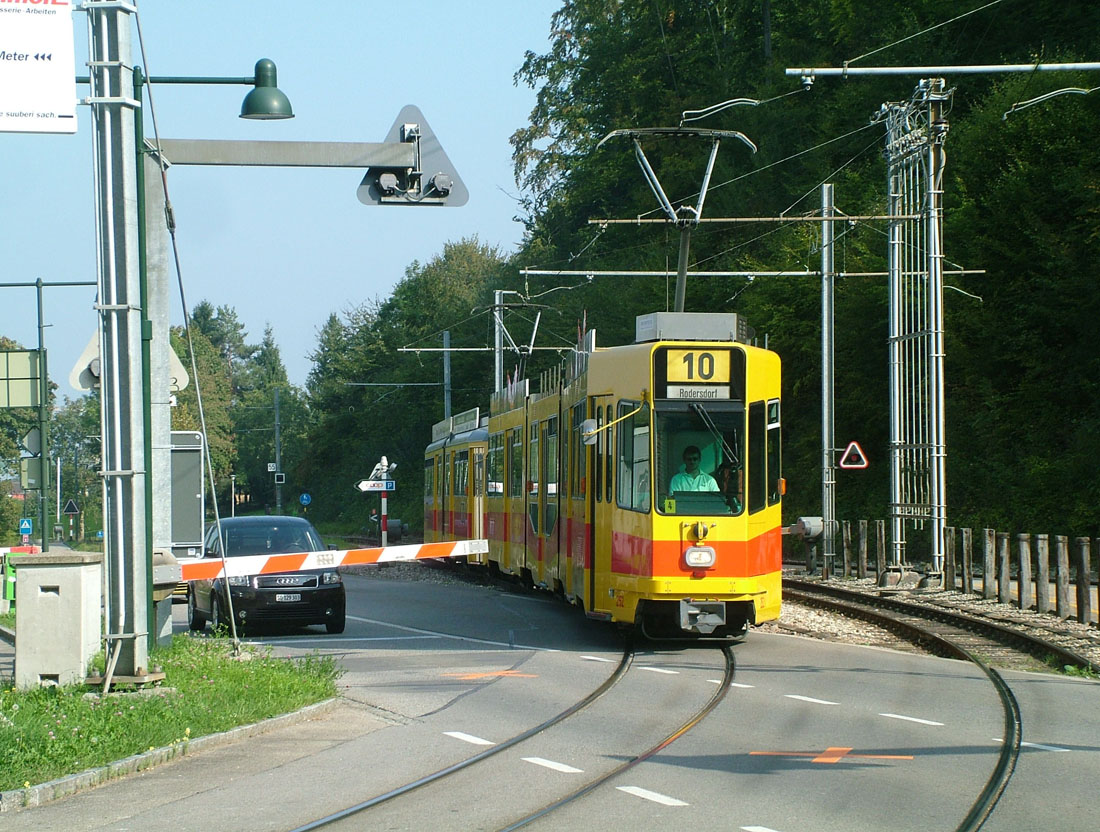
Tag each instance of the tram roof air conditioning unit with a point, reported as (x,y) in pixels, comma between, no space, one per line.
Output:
(692,326)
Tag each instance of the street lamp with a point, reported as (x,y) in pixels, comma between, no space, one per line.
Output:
(264,102)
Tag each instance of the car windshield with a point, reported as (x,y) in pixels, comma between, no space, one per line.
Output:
(280,538)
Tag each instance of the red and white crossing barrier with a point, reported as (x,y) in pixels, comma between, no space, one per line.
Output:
(197,569)
(19,550)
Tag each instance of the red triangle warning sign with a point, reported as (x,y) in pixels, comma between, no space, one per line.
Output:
(853,457)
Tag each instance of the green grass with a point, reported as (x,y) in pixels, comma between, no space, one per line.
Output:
(7,619)
(51,732)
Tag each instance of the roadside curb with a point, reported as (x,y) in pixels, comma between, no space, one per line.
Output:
(17,799)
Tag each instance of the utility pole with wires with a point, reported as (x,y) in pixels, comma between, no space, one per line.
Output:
(916,131)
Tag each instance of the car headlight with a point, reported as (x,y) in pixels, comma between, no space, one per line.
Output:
(238,580)
(331,578)
(699,557)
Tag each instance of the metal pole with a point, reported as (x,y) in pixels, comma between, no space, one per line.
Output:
(232,495)
(498,341)
(446,374)
(278,458)
(937,416)
(681,268)
(828,440)
(43,428)
(382,519)
(120,327)
(893,259)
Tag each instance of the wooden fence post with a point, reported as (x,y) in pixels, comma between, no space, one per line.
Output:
(1061,575)
(968,561)
(989,580)
(880,548)
(949,558)
(847,530)
(1023,571)
(861,569)
(1004,571)
(1042,580)
(1084,581)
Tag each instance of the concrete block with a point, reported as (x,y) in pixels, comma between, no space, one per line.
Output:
(58,618)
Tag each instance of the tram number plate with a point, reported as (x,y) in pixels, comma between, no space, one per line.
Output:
(288,596)
(698,366)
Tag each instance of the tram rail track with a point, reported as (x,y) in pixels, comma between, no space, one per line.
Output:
(955,636)
(357,810)
(920,624)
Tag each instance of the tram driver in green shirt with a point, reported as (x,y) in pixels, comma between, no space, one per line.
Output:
(691,478)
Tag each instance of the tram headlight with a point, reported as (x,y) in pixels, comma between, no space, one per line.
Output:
(699,557)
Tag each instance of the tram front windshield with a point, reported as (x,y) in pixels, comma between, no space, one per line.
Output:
(700,450)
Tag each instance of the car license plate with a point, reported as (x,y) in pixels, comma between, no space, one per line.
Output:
(288,596)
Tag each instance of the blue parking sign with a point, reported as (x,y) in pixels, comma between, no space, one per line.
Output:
(26,526)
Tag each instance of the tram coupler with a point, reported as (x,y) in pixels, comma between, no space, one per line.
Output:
(702,616)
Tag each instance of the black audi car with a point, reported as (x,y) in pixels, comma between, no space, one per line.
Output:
(314,596)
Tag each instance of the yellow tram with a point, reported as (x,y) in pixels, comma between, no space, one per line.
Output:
(641,482)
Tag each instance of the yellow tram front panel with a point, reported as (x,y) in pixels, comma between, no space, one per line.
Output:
(656,539)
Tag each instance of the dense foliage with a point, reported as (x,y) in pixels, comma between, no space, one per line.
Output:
(1022,198)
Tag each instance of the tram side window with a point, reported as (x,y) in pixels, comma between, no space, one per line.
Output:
(758,460)
(533,461)
(634,479)
(479,472)
(550,474)
(775,482)
(515,464)
(577,452)
(462,473)
(609,457)
(599,455)
(495,485)
(429,469)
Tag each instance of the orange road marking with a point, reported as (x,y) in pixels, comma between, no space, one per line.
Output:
(513,673)
(832,754)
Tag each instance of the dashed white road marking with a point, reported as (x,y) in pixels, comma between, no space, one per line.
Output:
(597,659)
(660,670)
(732,684)
(470,738)
(757,829)
(810,699)
(912,719)
(656,797)
(1035,745)
(451,636)
(562,767)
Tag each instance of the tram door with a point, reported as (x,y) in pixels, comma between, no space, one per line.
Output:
(477,498)
(447,517)
(533,556)
(600,506)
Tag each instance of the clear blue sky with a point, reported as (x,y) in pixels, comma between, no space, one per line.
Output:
(285,247)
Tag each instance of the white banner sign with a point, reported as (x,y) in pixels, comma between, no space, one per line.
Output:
(37,67)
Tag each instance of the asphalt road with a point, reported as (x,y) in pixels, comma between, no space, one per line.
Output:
(813,736)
